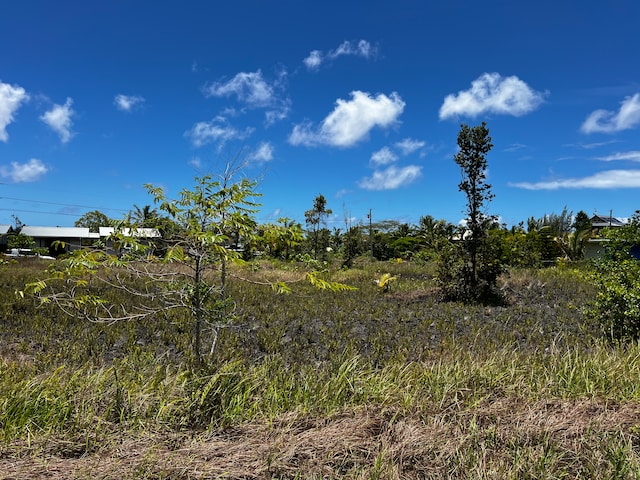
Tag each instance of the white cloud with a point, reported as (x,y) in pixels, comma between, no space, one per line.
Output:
(314,60)
(263,154)
(351,120)
(280,113)
(633,155)
(605,121)
(59,120)
(384,156)
(196,163)
(250,88)
(491,93)
(25,172)
(409,145)
(362,49)
(610,179)
(514,147)
(11,97)
(126,103)
(217,130)
(590,146)
(391,178)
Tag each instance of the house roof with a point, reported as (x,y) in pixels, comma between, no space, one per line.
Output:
(137,232)
(598,221)
(4,229)
(57,232)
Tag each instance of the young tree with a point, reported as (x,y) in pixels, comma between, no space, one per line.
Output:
(190,277)
(316,219)
(476,277)
(281,239)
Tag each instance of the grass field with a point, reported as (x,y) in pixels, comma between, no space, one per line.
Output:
(359,384)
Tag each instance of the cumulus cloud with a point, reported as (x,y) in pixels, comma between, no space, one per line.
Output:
(59,120)
(605,121)
(11,97)
(610,179)
(263,154)
(384,156)
(409,145)
(362,49)
(633,155)
(126,103)
(351,120)
(391,178)
(24,172)
(216,130)
(492,93)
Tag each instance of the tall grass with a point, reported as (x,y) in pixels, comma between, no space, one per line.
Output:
(439,367)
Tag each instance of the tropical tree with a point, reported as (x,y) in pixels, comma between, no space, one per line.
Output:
(282,238)
(316,219)
(146,217)
(93,221)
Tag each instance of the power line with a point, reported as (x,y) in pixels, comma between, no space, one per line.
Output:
(36,211)
(59,204)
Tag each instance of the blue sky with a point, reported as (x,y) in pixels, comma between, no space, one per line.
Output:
(360,101)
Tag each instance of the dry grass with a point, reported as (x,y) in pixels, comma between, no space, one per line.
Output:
(508,438)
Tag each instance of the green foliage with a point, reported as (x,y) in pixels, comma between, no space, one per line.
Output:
(20,241)
(93,221)
(316,219)
(617,303)
(469,270)
(355,244)
(617,278)
(280,240)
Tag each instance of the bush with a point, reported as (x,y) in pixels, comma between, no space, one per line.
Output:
(617,277)
(617,303)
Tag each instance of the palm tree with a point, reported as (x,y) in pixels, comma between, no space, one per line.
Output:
(143,217)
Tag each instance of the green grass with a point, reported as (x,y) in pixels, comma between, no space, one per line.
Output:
(360,384)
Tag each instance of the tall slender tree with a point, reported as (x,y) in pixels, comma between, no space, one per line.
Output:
(470,268)
(316,219)
(474,144)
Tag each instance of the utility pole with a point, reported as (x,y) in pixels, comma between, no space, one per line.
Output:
(370,232)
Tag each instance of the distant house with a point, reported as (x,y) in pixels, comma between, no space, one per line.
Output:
(596,244)
(5,230)
(106,232)
(69,238)
(145,234)
(599,222)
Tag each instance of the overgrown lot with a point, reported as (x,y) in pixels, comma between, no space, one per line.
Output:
(315,384)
